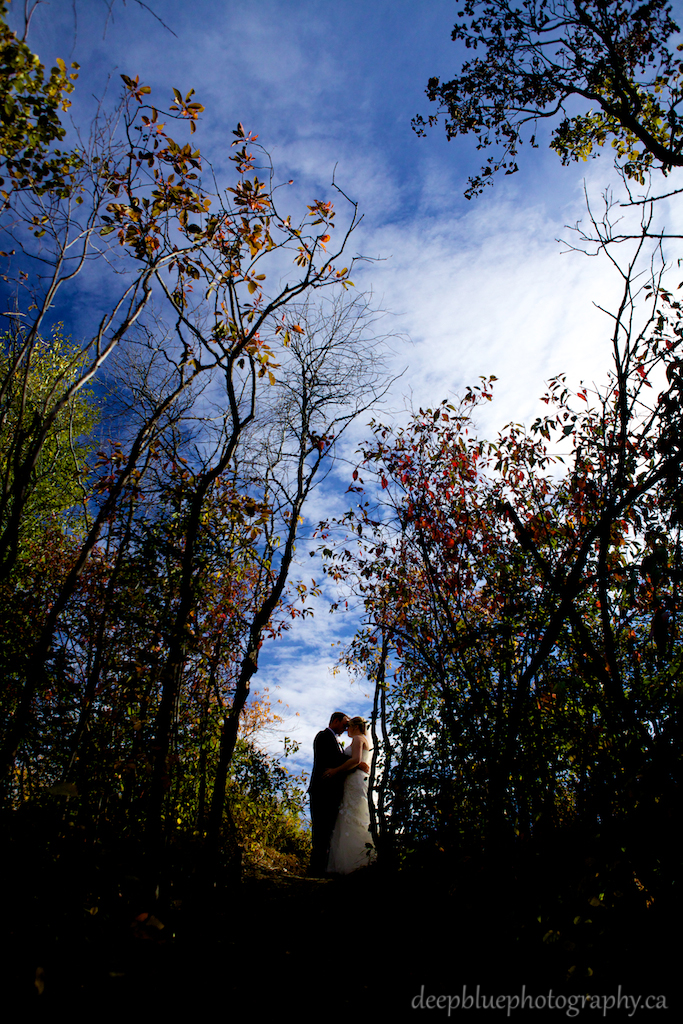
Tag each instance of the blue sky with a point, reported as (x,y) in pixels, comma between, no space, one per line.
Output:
(479,287)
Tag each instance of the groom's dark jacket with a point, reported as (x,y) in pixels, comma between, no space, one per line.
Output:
(327,754)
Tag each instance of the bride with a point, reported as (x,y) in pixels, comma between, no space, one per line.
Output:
(351,845)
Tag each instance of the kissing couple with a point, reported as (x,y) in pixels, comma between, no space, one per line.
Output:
(340,812)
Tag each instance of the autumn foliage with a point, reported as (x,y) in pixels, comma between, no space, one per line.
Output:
(154,472)
(520,601)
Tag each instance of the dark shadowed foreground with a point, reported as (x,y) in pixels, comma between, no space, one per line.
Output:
(567,915)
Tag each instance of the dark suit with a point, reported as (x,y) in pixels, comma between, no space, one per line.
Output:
(325,795)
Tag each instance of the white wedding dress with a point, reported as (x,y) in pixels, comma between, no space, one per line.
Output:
(349,848)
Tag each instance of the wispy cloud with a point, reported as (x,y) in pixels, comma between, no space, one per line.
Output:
(471,288)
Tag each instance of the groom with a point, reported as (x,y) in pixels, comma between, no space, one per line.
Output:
(326,793)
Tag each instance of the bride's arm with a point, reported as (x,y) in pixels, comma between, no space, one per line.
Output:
(353,762)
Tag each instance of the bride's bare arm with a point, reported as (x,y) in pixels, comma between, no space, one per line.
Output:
(353,762)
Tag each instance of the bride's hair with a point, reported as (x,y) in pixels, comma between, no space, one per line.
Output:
(360,724)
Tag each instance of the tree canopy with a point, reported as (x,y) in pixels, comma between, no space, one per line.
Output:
(144,561)
(542,59)
(49,480)
(520,602)
(30,119)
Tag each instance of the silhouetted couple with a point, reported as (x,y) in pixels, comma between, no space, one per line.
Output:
(340,813)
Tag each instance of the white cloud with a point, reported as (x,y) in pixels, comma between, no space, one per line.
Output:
(477,288)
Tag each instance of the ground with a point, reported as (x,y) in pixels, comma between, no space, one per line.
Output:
(278,942)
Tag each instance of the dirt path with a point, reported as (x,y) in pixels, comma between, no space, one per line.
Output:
(286,945)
